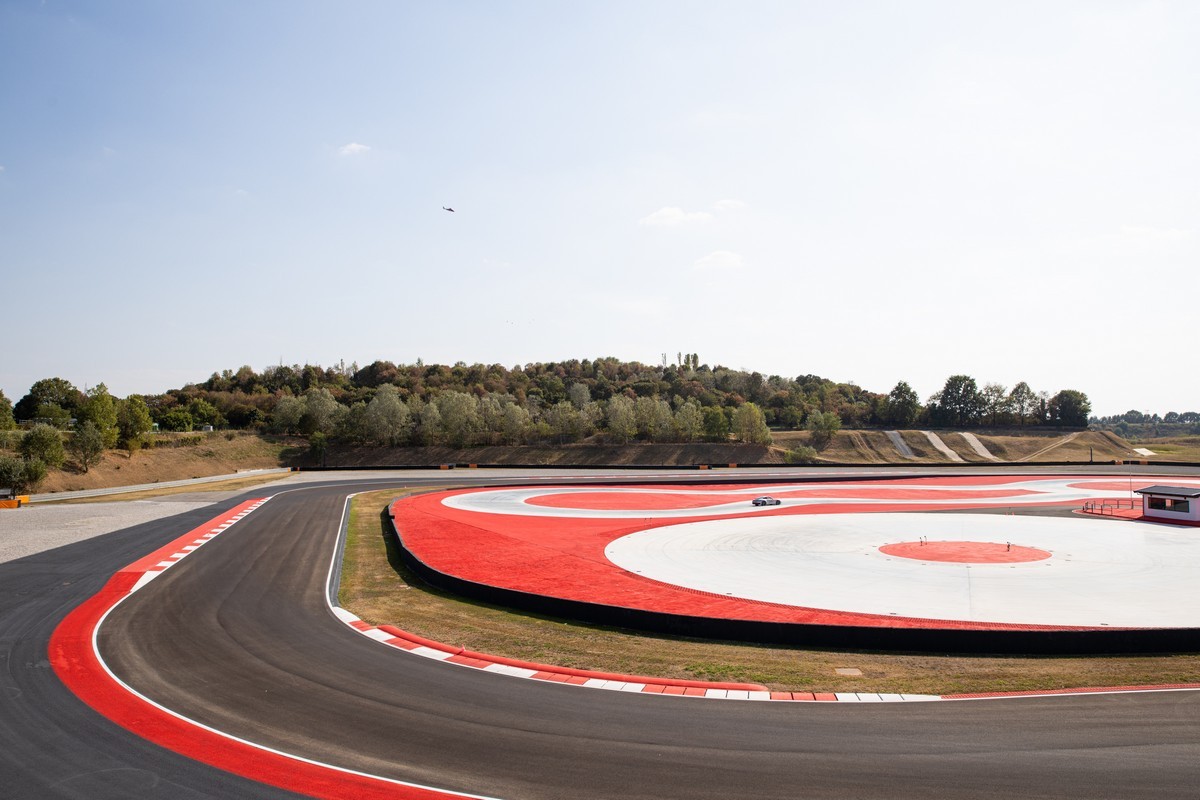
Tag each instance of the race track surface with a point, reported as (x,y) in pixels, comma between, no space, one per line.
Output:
(238,637)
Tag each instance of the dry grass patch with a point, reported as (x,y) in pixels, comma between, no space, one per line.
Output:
(175,457)
(1173,448)
(231,485)
(379,589)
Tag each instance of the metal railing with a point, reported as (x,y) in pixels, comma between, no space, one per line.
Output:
(1108,507)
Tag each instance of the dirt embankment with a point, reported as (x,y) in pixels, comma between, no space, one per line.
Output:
(180,456)
(875,446)
(175,457)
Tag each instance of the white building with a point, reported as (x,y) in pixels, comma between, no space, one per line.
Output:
(1171,504)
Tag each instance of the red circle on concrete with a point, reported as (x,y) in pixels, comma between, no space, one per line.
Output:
(966,552)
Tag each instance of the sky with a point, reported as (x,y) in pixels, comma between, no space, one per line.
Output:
(869,192)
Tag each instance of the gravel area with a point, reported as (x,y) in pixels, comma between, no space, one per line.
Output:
(39,527)
(35,529)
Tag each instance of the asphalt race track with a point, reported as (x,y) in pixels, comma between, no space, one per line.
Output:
(238,637)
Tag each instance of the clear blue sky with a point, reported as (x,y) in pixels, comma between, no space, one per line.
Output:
(865,191)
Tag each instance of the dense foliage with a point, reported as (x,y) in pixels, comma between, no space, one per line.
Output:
(605,399)
(1134,424)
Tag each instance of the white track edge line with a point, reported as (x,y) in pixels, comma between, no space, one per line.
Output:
(239,740)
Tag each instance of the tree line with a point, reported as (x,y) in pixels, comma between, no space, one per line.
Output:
(394,405)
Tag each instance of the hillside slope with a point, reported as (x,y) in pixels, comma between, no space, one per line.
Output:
(181,456)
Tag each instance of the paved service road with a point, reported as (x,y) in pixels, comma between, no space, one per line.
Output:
(238,636)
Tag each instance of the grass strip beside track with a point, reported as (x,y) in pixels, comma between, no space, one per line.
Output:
(379,589)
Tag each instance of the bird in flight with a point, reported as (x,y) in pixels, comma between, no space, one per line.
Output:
(444,208)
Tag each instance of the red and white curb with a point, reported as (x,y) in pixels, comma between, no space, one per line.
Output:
(499,665)
(204,538)
(75,656)
(589,679)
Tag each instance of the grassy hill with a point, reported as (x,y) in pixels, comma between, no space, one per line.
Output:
(179,456)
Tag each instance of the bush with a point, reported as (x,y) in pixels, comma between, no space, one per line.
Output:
(44,443)
(35,473)
(823,427)
(12,472)
(318,443)
(21,475)
(801,454)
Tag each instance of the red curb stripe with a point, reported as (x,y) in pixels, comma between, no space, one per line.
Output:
(78,666)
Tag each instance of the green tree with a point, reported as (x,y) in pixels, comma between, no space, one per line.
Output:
(352,427)
(205,413)
(822,427)
(994,401)
(1022,401)
(321,412)
(133,422)
(566,421)
(87,445)
(43,443)
(429,424)
(621,420)
(286,416)
(959,401)
(49,391)
(387,421)
(903,406)
(7,421)
(579,395)
(716,424)
(176,420)
(100,409)
(53,414)
(689,421)
(460,420)
(1070,408)
(515,424)
(749,424)
(655,423)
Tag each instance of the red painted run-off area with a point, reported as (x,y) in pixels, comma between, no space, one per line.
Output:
(965,552)
(564,557)
(77,665)
(660,500)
